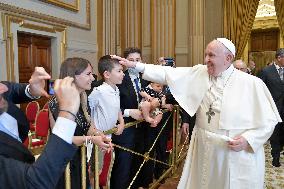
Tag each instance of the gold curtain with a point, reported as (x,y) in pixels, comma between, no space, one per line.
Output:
(279,8)
(239,16)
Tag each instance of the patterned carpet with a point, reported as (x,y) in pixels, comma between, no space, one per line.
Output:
(274,176)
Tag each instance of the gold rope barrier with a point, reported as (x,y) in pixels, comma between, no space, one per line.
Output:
(148,153)
(176,157)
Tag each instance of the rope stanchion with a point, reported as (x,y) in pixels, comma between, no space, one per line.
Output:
(83,166)
(97,176)
(177,156)
(67,177)
(146,158)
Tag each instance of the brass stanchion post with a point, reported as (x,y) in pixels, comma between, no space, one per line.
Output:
(97,183)
(174,140)
(83,165)
(67,177)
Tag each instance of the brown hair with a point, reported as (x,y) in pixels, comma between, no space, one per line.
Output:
(73,66)
(131,50)
(106,63)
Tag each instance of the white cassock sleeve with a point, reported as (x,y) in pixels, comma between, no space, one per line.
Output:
(187,84)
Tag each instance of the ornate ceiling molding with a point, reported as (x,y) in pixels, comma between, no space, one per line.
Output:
(72,5)
(265,8)
(47,18)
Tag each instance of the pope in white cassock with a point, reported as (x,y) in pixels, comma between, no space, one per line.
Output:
(235,116)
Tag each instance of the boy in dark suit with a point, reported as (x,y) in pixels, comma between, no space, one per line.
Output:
(125,164)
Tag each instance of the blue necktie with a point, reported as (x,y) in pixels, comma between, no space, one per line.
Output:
(136,81)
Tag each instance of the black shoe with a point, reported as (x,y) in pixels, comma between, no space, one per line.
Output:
(275,162)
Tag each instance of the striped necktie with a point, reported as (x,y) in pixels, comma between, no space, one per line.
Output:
(280,71)
(136,81)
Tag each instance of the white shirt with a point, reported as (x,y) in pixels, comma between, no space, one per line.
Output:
(9,125)
(104,102)
(132,77)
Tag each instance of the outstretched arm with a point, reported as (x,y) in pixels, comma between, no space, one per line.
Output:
(155,73)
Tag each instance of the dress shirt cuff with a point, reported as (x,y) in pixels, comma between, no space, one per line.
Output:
(64,128)
(126,113)
(28,93)
(140,67)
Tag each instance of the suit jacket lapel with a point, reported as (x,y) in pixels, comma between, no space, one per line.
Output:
(12,148)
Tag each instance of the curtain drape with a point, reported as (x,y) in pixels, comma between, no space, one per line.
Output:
(239,16)
(279,8)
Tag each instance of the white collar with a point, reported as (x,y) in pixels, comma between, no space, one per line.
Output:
(110,88)
(277,66)
(224,76)
(10,125)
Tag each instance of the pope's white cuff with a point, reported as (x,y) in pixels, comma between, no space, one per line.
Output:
(126,113)
(140,67)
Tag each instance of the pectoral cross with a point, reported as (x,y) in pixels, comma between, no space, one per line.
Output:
(210,113)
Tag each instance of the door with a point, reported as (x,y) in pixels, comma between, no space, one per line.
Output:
(33,50)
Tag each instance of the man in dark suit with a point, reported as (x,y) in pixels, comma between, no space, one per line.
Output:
(273,78)
(125,163)
(18,93)
(14,158)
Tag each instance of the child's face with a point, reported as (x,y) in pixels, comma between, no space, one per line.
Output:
(116,75)
(135,57)
(157,87)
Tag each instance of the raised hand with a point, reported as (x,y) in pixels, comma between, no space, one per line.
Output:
(67,94)
(37,82)
(124,62)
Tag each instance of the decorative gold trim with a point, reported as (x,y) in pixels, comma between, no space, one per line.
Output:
(63,46)
(265,23)
(7,20)
(32,15)
(73,7)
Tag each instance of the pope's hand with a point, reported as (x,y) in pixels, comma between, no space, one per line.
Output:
(238,143)
(185,128)
(124,62)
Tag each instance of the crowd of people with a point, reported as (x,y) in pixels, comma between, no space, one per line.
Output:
(222,142)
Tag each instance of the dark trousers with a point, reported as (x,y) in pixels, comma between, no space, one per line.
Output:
(158,151)
(121,171)
(141,143)
(161,145)
(277,140)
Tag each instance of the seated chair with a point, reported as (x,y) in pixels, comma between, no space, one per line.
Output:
(45,106)
(31,113)
(38,139)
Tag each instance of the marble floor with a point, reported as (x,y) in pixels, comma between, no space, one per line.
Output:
(274,176)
